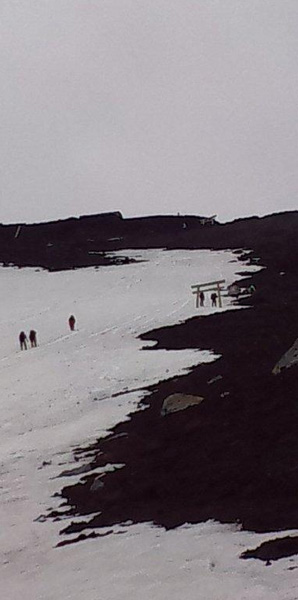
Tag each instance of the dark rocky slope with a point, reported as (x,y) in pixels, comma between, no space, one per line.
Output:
(83,241)
(234,457)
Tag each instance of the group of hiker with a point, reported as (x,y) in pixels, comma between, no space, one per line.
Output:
(213,299)
(33,336)
(23,339)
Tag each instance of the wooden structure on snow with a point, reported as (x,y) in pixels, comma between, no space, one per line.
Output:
(211,286)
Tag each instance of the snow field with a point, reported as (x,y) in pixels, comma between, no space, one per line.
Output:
(60,395)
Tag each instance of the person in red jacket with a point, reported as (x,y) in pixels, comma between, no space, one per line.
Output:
(71,322)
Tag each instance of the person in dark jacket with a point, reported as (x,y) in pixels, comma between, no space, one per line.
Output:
(202,298)
(213,299)
(32,338)
(23,340)
(71,322)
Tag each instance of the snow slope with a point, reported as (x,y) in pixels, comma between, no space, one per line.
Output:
(65,393)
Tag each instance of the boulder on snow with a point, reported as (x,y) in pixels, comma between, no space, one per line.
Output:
(214,379)
(97,484)
(288,359)
(176,402)
(234,290)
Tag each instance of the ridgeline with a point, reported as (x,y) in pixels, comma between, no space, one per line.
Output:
(87,240)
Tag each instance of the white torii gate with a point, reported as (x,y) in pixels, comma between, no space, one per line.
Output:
(211,286)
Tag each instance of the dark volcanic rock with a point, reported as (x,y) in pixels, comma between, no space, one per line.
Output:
(79,242)
(274,549)
(82,242)
(231,459)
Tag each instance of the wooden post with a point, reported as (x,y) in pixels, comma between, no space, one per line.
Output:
(219,295)
(197,292)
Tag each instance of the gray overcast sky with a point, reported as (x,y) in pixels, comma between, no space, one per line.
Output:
(148,106)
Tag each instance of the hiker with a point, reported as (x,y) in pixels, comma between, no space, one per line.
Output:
(32,338)
(213,299)
(23,340)
(202,298)
(71,322)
